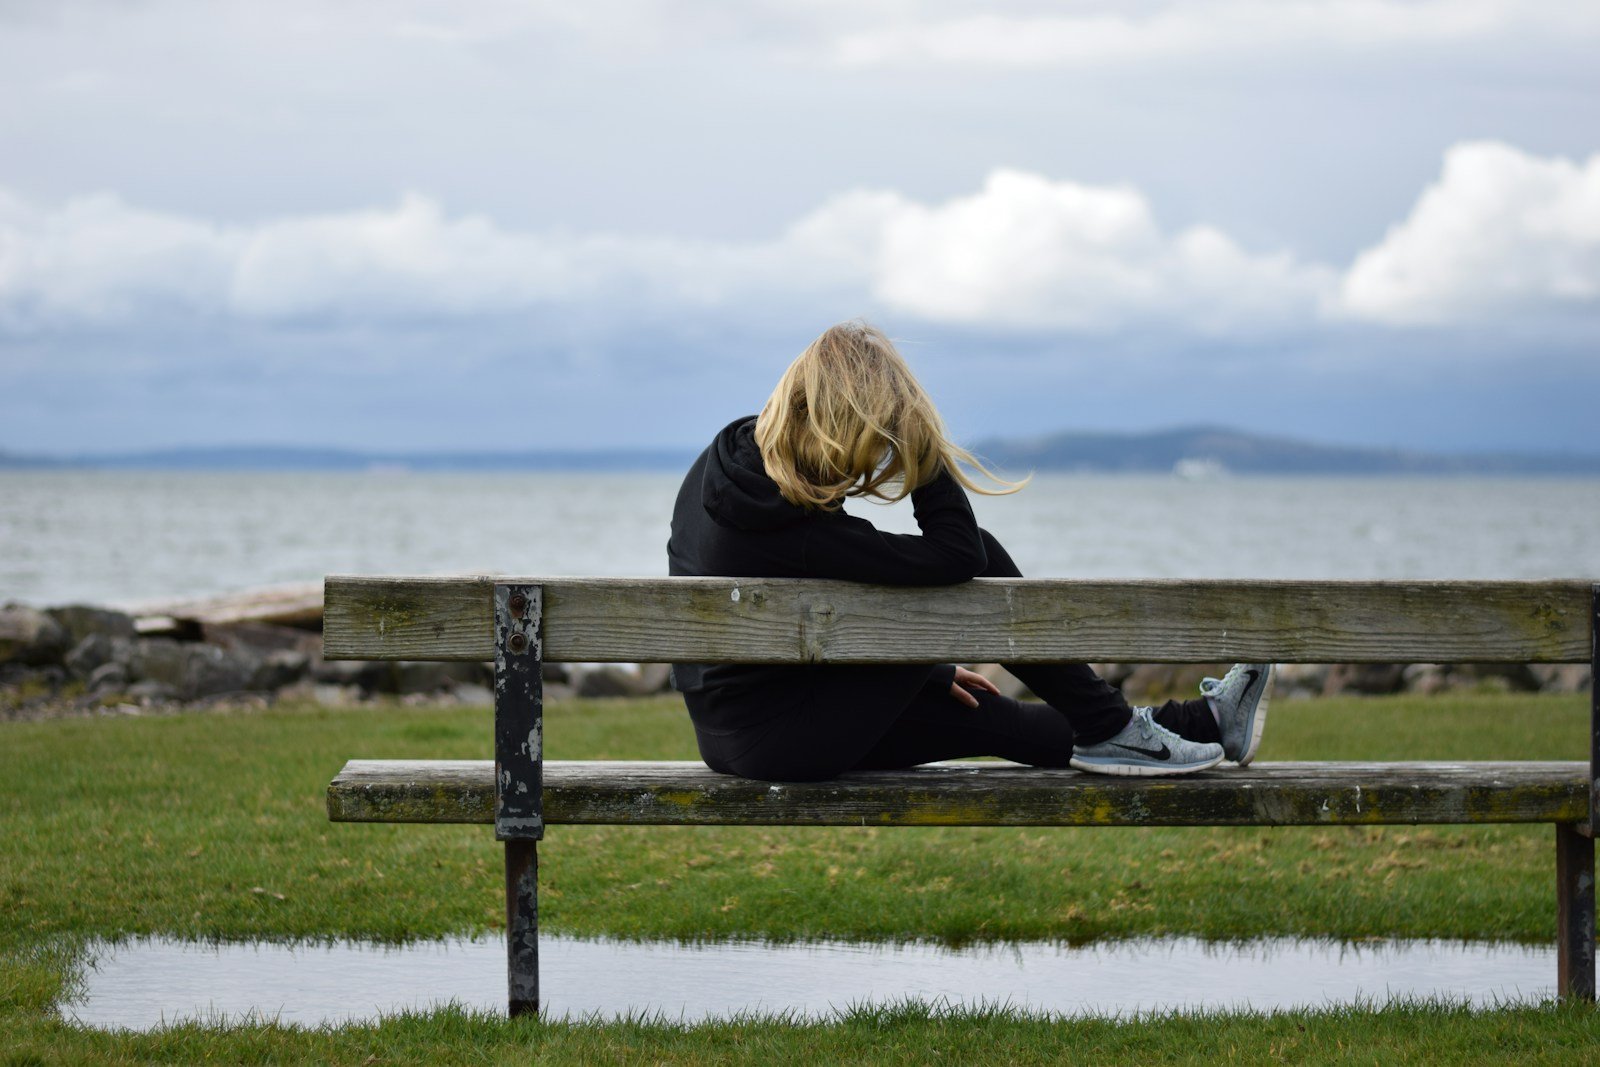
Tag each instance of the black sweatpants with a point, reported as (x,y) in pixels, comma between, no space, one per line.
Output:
(879,718)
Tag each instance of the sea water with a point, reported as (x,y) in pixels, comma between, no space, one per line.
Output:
(106,537)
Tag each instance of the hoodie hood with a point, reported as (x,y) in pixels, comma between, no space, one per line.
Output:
(736,490)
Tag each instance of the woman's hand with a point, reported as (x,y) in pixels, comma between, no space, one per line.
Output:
(966,680)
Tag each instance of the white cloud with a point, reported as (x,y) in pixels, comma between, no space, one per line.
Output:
(1024,251)
(388,259)
(1027,251)
(1216,30)
(97,257)
(1500,233)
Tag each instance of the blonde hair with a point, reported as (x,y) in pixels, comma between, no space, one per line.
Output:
(848,418)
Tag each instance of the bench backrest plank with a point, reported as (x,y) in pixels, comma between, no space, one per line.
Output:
(765,620)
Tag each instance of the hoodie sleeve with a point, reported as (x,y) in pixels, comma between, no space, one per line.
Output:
(948,550)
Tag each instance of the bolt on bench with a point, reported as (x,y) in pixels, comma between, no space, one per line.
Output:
(521,624)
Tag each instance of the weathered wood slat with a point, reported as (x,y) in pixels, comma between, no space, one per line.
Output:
(718,620)
(977,794)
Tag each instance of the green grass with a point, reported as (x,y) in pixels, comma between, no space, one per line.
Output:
(212,826)
(895,1034)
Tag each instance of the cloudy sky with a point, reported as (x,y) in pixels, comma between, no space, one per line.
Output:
(527,225)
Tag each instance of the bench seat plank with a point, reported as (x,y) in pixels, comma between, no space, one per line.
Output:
(977,794)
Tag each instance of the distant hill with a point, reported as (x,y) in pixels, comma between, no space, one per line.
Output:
(1206,449)
(10,461)
(1193,451)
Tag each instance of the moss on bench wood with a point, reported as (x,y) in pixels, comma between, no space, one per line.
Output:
(977,794)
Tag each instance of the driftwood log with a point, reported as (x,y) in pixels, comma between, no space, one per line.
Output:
(283,605)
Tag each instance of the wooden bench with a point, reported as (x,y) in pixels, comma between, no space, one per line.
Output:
(521,624)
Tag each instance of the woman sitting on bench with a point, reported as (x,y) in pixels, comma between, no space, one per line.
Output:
(848,418)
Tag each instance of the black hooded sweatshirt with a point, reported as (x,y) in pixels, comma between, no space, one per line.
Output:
(730,520)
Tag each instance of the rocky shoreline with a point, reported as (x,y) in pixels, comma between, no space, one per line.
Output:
(85,660)
(82,659)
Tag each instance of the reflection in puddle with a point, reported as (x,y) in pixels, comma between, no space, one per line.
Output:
(141,984)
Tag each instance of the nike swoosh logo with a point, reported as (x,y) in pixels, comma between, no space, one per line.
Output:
(1154,753)
(1252,675)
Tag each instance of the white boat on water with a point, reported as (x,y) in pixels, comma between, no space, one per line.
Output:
(1192,469)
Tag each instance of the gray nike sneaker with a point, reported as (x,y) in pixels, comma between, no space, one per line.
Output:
(1240,697)
(1144,747)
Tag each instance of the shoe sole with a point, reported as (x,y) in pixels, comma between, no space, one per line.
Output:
(1142,770)
(1258,722)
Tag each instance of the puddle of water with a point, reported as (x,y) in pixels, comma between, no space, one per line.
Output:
(140,985)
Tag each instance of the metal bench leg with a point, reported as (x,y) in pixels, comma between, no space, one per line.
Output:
(519,780)
(522,926)
(1574,913)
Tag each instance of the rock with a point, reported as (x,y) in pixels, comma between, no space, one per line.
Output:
(159,659)
(31,636)
(1372,679)
(601,680)
(304,689)
(108,677)
(212,671)
(336,696)
(236,701)
(1561,677)
(1298,681)
(406,677)
(475,695)
(1513,677)
(27,686)
(50,676)
(472,673)
(192,670)
(150,692)
(261,637)
(554,691)
(88,655)
(616,680)
(1152,682)
(280,668)
(401,677)
(1425,678)
(82,620)
(368,674)
(655,677)
(1114,673)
